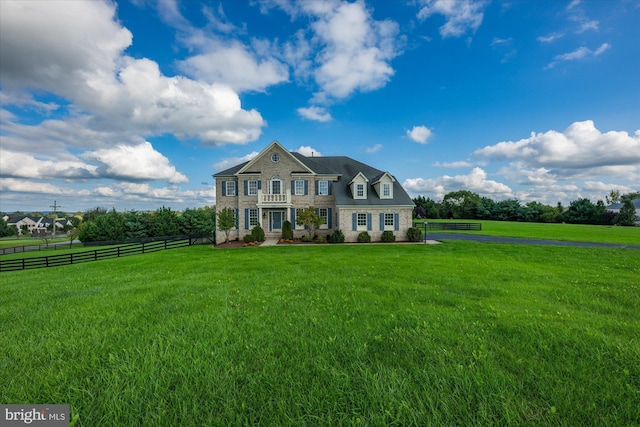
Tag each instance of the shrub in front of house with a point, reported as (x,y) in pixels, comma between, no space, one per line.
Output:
(248,238)
(287,231)
(258,233)
(336,237)
(307,239)
(414,234)
(388,237)
(364,237)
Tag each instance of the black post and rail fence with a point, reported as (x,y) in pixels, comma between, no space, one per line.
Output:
(426,226)
(460,226)
(122,250)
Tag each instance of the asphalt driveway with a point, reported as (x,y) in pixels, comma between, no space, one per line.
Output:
(513,240)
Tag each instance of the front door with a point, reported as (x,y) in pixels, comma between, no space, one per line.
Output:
(275,220)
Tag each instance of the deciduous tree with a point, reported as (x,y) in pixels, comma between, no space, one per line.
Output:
(310,219)
(226,221)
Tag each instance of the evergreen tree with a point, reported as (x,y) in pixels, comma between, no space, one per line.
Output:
(627,215)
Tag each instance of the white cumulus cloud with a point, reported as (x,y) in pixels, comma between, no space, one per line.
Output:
(317,114)
(580,146)
(233,161)
(308,151)
(420,134)
(138,163)
(85,64)
(475,181)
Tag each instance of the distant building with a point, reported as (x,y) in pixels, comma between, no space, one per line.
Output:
(615,207)
(35,225)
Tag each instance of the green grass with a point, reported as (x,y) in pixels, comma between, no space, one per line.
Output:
(53,251)
(566,232)
(454,334)
(28,241)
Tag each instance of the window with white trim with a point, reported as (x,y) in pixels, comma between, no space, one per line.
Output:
(299,187)
(253,187)
(231,188)
(324,213)
(323,188)
(275,185)
(362,221)
(253,217)
(389,221)
(386,190)
(360,191)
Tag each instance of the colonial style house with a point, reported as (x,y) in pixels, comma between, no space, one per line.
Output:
(34,225)
(349,195)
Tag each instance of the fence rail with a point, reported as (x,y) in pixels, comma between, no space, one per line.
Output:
(105,253)
(39,247)
(466,226)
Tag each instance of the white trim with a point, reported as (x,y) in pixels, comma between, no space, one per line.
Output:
(249,193)
(360,227)
(320,193)
(324,226)
(393,221)
(227,187)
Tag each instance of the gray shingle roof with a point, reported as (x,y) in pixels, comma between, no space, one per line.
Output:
(636,204)
(346,168)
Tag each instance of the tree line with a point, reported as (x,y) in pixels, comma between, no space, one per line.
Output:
(465,204)
(99,224)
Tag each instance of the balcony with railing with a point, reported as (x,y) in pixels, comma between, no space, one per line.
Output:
(273,200)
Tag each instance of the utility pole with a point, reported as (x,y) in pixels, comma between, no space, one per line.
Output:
(55,219)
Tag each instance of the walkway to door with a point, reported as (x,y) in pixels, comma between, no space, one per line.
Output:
(270,242)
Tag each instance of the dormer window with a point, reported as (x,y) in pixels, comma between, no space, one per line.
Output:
(384,186)
(359,185)
(386,190)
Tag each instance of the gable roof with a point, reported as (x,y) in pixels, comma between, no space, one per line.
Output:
(378,178)
(346,168)
(357,175)
(342,167)
(246,166)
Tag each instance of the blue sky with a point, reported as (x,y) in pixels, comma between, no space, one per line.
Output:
(135,104)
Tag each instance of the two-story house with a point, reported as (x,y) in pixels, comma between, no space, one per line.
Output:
(351,196)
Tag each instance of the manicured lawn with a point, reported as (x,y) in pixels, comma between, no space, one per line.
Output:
(53,251)
(28,241)
(568,232)
(461,333)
